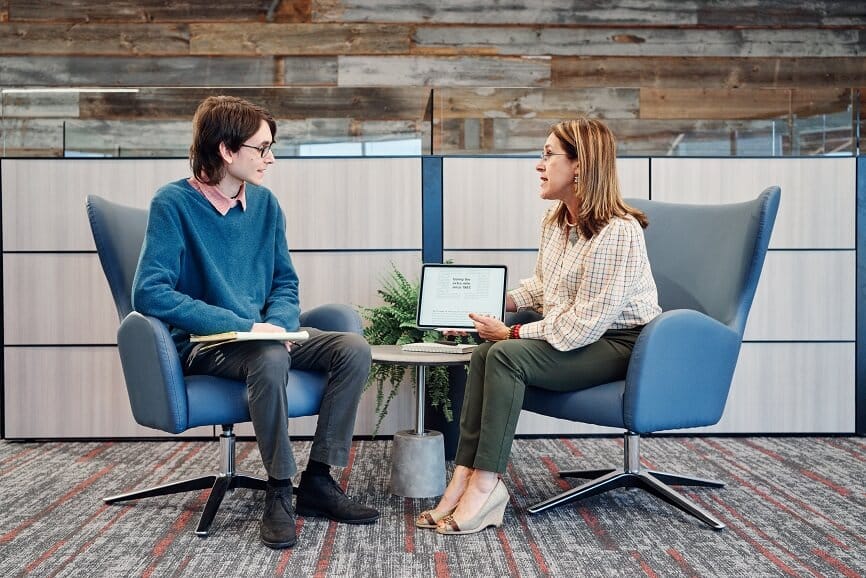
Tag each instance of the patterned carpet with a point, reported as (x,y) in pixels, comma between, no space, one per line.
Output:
(793,506)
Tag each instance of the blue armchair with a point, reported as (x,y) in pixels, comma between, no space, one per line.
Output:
(706,261)
(160,395)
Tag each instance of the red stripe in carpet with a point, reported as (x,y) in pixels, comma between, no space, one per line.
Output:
(328,545)
(507,552)
(781,493)
(572,448)
(286,554)
(515,479)
(440,559)
(86,545)
(409,521)
(684,565)
(524,525)
(853,453)
(94,452)
(835,563)
(758,546)
(644,565)
(77,489)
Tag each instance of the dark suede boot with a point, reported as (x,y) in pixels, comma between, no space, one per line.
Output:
(278,521)
(321,496)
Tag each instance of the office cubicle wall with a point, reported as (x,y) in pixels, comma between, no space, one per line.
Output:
(349,219)
(796,367)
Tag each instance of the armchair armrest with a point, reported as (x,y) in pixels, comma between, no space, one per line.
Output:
(153,374)
(333,317)
(680,372)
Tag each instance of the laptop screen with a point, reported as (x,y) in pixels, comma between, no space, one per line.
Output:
(449,293)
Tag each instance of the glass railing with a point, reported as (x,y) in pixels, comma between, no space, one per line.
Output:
(395,121)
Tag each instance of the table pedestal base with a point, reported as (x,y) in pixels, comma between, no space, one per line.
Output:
(418,464)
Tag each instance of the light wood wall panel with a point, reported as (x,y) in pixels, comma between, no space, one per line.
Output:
(818,194)
(791,387)
(350,277)
(805,296)
(349,203)
(43,199)
(70,392)
(57,298)
(493,203)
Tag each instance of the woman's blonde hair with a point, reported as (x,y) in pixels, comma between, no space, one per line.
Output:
(593,145)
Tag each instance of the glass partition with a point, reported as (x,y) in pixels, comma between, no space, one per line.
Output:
(397,121)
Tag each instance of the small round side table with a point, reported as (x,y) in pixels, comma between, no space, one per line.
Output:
(418,457)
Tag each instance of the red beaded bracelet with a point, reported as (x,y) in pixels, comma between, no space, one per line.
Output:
(514,331)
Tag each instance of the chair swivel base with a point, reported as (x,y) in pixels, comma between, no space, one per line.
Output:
(226,480)
(631,476)
(218,483)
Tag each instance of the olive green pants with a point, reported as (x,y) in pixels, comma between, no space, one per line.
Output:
(499,373)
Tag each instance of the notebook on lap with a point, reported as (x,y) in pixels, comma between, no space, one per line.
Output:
(449,293)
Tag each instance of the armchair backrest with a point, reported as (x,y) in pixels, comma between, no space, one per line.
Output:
(709,257)
(118,232)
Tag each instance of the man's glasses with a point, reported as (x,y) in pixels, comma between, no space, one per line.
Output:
(263,150)
(546,156)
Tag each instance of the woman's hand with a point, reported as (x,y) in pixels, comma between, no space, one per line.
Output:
(489,328)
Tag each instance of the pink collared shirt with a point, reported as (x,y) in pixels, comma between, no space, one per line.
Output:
(221,203)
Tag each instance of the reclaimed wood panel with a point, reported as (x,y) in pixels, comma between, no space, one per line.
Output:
(298,103)
(39,104)
(587,12)
(148,10)
(298,39)
(532,40)
(706,72)
(818,194)
(71,392)
(740,103)
(534,103)
(130,71)
(31,137)
(442,71)
(95,39)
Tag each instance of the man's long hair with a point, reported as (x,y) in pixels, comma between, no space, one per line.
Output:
(597,187)
(222,119)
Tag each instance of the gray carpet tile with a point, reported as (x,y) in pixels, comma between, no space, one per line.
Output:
(793,506)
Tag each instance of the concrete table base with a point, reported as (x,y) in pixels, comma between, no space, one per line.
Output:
(418,464)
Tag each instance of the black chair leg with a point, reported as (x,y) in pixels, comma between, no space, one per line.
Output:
(226,480)
(674,498)
(679,480)
(189,485)
(585,474)
(609,481)
(631,476)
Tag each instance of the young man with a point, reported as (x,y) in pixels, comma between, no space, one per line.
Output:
(215,259)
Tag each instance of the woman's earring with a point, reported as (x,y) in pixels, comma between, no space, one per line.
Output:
(575,178)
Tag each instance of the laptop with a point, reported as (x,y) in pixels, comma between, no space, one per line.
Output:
(449,293)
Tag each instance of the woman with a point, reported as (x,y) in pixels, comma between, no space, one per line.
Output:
(595,290)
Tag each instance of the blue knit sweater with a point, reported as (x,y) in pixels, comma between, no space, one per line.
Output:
(202,273)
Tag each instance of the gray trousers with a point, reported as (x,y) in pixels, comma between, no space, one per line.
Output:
(499,373)
(264,366)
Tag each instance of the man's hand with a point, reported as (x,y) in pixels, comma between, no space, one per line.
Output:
(489,328)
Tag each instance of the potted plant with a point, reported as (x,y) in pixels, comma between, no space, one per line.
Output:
(393,323)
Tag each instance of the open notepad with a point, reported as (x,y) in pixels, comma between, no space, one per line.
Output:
(217,339)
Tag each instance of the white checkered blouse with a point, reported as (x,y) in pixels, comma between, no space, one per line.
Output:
(585,287)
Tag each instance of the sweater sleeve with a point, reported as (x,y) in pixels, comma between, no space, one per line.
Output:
(154,290)
(282,306)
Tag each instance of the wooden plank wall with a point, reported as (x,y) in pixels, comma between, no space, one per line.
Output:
(362,69)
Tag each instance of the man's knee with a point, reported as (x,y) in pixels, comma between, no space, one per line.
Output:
(271,366)
(354,350)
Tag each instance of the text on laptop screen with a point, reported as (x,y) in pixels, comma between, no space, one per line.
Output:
(449,293)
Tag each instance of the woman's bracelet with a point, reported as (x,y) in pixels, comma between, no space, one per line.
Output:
(514,331)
